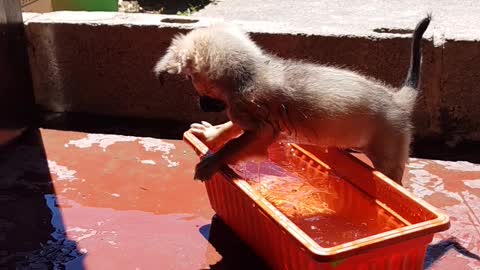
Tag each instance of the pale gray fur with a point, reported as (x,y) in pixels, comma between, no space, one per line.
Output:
(301,102)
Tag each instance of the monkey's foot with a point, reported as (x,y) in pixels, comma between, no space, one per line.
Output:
(207,167)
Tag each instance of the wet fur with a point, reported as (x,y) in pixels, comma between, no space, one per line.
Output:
(268,98)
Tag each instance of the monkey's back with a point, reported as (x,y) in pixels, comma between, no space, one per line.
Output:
(327,105)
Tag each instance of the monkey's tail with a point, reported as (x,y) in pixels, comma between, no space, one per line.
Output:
(406,95)
(416,53)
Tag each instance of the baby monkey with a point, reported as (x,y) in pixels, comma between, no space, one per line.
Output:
(269,99)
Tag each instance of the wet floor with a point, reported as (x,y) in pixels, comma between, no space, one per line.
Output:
(92,201)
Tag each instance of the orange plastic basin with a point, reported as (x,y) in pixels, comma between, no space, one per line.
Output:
(314,208)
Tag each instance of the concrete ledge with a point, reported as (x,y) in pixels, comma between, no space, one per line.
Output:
(101,63)
(459,92)
(29,15)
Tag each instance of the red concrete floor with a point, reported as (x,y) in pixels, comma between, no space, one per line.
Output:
(88,201)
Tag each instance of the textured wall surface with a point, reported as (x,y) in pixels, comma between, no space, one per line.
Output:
(102,63)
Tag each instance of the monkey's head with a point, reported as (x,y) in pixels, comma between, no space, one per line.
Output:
(214,58)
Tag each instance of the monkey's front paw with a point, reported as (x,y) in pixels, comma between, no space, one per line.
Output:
(208,166)
(207,133)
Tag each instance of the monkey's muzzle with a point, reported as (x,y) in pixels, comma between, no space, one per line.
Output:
(208,104)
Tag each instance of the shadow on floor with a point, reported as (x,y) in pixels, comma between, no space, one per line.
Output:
(438,250)
(437,149)
(235,254)
(32,234)
(82,122)
(168,129)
